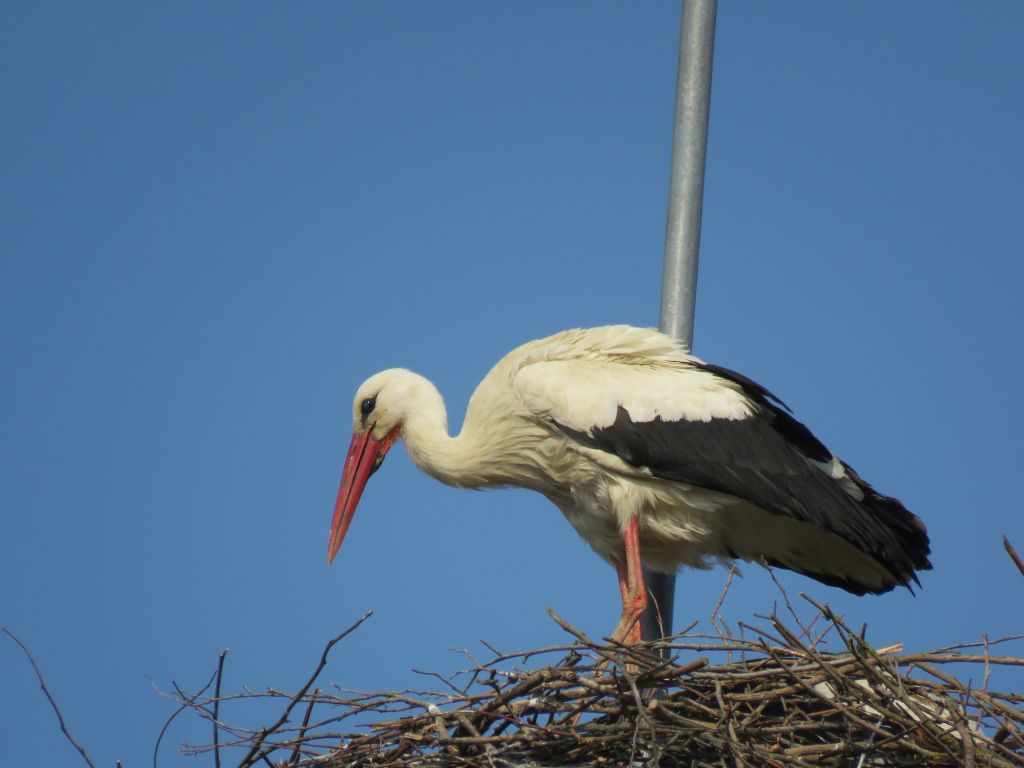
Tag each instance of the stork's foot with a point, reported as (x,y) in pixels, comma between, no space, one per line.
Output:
(628,630)
(636,634)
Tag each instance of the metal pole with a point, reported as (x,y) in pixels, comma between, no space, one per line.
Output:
(682,234)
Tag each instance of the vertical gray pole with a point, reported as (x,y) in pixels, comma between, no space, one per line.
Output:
(682,234)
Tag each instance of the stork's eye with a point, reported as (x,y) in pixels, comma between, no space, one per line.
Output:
(366,407)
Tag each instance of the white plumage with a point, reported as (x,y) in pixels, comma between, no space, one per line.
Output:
(644,446)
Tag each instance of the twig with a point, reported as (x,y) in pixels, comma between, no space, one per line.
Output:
(1013,554)
(49,697)
(254,752)
(216,708)
(721,597)
(186,704)
(987,667)
(967,740)
(804,631)
(442,678)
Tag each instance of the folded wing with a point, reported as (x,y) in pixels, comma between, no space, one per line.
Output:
(709,427)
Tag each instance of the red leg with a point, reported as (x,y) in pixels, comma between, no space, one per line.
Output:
(631,586)
(620,571)
(635,635)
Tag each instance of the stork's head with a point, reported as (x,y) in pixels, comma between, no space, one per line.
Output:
(378,414)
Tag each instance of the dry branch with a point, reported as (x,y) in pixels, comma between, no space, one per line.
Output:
(49,698)
(1013,554)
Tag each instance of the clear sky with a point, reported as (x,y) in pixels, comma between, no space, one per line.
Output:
(217,220)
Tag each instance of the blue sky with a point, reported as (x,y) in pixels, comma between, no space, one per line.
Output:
(216,221)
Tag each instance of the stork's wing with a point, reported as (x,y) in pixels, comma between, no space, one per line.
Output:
(713,428)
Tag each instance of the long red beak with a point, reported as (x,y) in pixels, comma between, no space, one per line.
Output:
(365,455)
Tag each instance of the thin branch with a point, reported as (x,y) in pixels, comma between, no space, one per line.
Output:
(305,725)
(216,708)
(254,752)
(725,591)
(1013,554)
(49,697)
(187,703)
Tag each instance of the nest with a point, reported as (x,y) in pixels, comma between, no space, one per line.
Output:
(772,693)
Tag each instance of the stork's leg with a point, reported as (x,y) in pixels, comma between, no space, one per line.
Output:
(631,586)
(635,635)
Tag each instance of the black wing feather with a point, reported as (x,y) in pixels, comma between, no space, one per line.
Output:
(764,460)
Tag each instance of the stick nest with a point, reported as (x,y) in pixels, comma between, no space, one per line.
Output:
(769,694)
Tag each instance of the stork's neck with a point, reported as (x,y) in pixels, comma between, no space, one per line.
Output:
(455,460)
(487,452)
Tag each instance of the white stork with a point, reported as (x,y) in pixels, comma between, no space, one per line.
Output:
(653,455)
